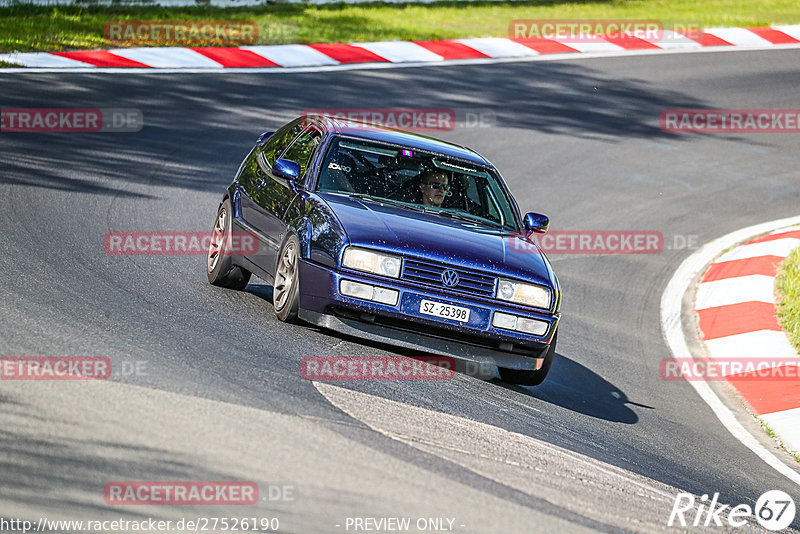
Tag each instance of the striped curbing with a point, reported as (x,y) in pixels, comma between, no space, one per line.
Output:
(735,306)
(395,52)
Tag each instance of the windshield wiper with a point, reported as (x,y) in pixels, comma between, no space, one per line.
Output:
(465,217)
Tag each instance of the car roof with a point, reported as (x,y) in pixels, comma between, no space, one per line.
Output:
(363,130)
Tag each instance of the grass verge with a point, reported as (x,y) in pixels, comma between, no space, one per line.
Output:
(26,28)
(771,433)
(788,298)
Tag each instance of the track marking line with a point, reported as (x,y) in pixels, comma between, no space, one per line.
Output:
(752,288)
(427,62)
(336,396)
(672,328)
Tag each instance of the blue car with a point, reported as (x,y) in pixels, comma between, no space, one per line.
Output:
(393,237)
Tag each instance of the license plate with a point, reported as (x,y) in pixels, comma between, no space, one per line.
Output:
(445,311)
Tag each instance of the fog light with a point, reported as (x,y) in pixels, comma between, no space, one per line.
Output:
(385,296)
(520,324)
(355,289)
(504,320)
(531,326)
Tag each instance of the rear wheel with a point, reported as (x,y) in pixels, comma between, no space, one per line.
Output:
(531,378)
(285,292)
(220,269)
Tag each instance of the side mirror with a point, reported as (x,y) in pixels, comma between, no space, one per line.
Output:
(536,222)
(264,136)
(286,169)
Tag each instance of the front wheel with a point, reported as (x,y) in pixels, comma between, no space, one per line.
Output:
(531,378)
(220,269)
(285,292)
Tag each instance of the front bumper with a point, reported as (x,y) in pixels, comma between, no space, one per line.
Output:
(476,340)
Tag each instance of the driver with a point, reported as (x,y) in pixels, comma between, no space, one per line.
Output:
(434,186)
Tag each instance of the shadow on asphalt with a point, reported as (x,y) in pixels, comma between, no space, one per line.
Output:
(198,128)
(577,388)
(569,384)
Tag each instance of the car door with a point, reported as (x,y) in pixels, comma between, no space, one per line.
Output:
(274,195)
(255,188)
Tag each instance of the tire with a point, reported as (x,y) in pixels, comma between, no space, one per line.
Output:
(286,290)
(219,266)
(531,378)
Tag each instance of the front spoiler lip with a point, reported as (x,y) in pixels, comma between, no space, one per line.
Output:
(410,340)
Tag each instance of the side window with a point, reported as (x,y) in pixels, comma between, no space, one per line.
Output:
(480,200)
(492,211)
(301,150)
(472,190)
(278,141)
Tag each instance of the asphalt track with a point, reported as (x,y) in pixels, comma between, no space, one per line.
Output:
(604,444)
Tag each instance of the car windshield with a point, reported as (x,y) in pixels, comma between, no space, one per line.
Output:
(417,179)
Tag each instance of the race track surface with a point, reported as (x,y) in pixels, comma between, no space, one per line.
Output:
(604,444)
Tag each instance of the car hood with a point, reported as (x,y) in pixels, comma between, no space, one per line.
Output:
(437,238)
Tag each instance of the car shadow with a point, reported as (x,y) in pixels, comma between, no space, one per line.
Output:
(263,291)
(569,384)
(575,387)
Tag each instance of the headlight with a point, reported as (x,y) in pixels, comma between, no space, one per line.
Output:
(526,294)
(372,262)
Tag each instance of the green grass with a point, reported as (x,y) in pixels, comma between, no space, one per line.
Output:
(788,302)
(40,28)
(771,433)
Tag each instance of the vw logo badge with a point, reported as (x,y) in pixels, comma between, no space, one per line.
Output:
(450,278)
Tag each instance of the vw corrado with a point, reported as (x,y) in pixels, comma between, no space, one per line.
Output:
(393,237)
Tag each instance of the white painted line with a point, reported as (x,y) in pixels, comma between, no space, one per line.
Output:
(786,425)
(39,59)
(293,55)
(498,47)
(793,31)
(739,36)
(778,247)
(400,51)
(168,57)
(754,288)
(597,45)
(784,230)
(673,40)
(752,345)
(672,327)
(415,427)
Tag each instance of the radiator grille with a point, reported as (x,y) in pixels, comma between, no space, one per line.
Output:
(430,273)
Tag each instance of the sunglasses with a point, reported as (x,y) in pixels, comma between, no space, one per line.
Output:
(439,185)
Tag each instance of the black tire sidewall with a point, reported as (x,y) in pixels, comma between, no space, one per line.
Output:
(224,262)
